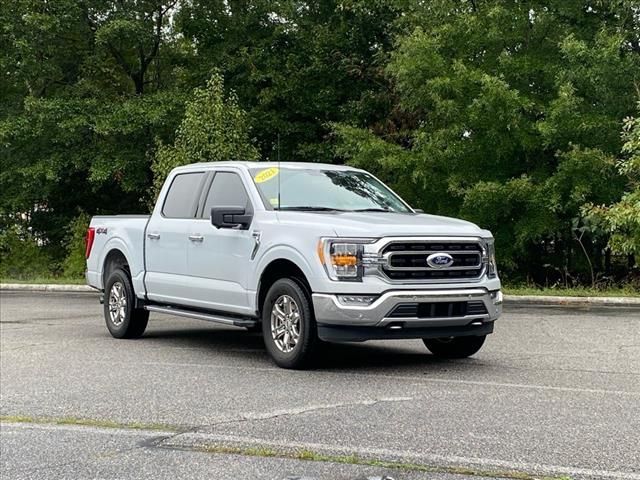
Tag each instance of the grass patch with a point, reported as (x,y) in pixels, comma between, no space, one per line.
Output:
(46,280)
(88,422)
(311,456)
(293,454)
(626,291)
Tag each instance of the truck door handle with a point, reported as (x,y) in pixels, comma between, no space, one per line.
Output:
(257,237)
(196,238)
(153,236)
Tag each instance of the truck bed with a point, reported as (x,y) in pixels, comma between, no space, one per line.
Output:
(125,233)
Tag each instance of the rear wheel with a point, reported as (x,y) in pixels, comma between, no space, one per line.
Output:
(123,320)
(455,347)
(288,326)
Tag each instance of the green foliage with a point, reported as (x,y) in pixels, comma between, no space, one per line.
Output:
(622,220)
(296,66)
(83,104)
(509,115)
(214,128)
(74,264)
(505,113)
(21,255)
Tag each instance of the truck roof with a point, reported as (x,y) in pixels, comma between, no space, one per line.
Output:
(248,165)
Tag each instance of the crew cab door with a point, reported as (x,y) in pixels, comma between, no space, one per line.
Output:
(218,258)
(167,239)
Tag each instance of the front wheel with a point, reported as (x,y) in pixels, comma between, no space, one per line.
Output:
(456,347)
(288,325)
(122,318)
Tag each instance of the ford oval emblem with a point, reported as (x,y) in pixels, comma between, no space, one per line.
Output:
(439,260)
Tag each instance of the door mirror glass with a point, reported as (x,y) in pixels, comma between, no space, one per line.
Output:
(230,217)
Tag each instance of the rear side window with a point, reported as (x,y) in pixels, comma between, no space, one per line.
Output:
(180,201)
(226,190)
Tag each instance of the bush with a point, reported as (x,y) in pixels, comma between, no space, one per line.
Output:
(21,255)
(74,264)
(622,219)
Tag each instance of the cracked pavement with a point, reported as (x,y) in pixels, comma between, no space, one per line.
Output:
(554,391)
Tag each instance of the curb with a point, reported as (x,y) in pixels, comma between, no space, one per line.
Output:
(571,301)
(43,287)
(508,299)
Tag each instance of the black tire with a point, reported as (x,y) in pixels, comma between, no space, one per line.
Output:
(457,347)
(301,354)
(130,322)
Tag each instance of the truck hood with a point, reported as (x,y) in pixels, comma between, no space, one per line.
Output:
(385,224)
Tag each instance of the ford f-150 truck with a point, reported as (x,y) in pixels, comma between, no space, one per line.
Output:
(303,252)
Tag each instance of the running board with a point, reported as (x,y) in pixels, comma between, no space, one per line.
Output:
(209,317)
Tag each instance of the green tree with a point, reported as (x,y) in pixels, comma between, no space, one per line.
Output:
(504,112)
(296,65)
(88,88)
(508,114)
(214,128)
(622,220)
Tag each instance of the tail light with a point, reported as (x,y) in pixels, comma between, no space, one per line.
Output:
(91,234)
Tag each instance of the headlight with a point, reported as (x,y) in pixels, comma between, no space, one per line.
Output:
(492,269)
(342,259)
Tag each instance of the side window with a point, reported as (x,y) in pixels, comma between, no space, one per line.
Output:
(180,201)
(226,190)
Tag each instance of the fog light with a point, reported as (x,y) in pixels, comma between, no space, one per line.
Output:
(496,297)
(361,300)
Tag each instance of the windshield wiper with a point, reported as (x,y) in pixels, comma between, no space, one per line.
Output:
(372,210)
(311,209)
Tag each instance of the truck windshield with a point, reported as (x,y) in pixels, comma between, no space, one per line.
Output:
(325,190)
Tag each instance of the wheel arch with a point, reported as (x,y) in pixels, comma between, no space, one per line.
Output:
(114,259)
(275,270)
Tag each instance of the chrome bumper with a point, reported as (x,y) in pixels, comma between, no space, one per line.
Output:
(329,310)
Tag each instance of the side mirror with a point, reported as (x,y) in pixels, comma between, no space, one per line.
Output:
(230,217)
(418,210)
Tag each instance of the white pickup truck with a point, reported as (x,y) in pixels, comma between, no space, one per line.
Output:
(304,252)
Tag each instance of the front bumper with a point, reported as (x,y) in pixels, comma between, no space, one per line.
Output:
(375,319)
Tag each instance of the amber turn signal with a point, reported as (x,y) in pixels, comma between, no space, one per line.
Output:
(344,260)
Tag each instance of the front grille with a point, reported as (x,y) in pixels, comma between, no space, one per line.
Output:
(438,309)
(476,307)
(408,260)
(405,310)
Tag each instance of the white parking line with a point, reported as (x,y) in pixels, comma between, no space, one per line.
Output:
(191,440)
(202,439)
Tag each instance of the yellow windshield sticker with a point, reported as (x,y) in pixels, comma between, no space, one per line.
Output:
(266,174)
(273,202)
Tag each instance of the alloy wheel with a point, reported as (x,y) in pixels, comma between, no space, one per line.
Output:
(285,323)
(117,304)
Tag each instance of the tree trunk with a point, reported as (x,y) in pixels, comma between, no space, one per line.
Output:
(138,81)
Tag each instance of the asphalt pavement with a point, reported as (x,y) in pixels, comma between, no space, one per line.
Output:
(555,391)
